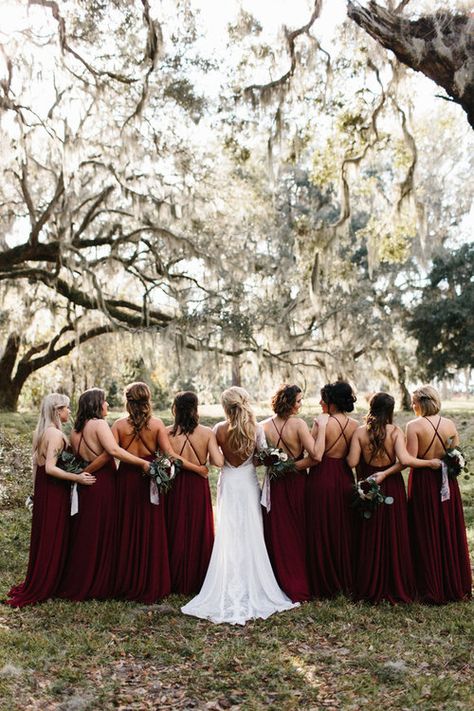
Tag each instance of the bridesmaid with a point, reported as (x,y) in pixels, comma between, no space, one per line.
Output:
(51,508)
(384,569)
(284,519)
(330,520)
(189,506)
(143,572)
(91,561)
(438,533)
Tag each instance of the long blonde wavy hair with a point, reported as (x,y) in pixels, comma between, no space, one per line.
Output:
(241,419)
(49,415)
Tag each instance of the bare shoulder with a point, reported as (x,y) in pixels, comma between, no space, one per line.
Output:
(413,424)
(204,430)
(120,424)
(156,423)
(355,424)
(53,436)
(266,421)
(299,423)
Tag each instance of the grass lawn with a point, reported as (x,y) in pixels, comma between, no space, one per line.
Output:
(323,655)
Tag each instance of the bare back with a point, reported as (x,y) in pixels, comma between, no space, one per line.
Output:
(194,446)
(222,435)
(289,434)
(339,431)
(427,437)
(143,444)
(384,458)
(86,443)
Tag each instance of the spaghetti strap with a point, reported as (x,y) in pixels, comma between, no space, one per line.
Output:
(280,437)
(83,439)
(436,434)
(135,436)
(388,455)
(192,447)
(341,434)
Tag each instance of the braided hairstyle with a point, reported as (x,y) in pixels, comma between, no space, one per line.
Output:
(241,419)
(380,415)
(284,400)
(185,411)
(138,403)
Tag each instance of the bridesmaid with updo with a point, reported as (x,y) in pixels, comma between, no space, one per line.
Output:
(190,521)
(330,519)
(284,516)
(435,513)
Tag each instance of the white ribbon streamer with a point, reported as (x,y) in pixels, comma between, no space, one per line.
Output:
(445,492)
(265,497)
(74,500)
(154,493)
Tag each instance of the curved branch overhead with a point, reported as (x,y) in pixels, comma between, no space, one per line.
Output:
(440,46)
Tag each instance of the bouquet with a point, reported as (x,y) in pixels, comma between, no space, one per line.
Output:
(454,460)
(69,462)
(163,470)
(367,496)
(277,461)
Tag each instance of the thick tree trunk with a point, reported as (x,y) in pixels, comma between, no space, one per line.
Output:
(9,393)
(440,45)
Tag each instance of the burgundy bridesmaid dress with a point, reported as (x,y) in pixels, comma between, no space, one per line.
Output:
(438,536)
(285,530)
(384,568)
(142,572)
(330,524)
(49,540)
(91,560)
(190,525)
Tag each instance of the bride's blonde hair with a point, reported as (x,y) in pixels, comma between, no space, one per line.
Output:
(241,419)
(49,415)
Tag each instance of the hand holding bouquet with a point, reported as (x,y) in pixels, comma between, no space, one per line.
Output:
(163,470)
(367,496)
(277,462)
(454,460)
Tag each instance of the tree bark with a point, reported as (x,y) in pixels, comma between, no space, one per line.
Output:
(441,46)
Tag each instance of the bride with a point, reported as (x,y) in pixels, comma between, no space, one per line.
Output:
(239,583)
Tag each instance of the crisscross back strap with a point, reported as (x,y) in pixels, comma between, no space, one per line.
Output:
(83,439)
(192,447)
(137,435)
(280,437)
(341,434)
(435,434)
(388,456)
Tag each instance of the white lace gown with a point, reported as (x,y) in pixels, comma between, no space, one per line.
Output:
(239,584)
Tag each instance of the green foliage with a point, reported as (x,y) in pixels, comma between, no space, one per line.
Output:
(443,321)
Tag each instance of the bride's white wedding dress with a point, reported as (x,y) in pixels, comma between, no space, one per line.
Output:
(239,584)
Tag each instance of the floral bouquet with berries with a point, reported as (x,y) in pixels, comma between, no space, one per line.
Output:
(367,496)
(277,462)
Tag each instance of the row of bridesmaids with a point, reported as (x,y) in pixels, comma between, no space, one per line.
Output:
(122,545)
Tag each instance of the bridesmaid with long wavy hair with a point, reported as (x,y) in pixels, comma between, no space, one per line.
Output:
(284,516)
(330,520)
(51,507)
(384,568)
(190,520)
(91,561)
(435,513)
(143,572)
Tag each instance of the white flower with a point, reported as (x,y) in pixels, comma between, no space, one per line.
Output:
(166,463)
(283,457)
(172,471)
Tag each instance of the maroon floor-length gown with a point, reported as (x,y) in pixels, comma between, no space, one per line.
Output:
(438,536)
(285,530)
(190,525)
(384,567)
(330,524)
(90,565)
(49,540)
(143,572)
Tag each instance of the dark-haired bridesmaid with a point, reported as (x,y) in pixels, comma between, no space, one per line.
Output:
(330,519)
(435,513)
(189,505)
(143,571)
(51,519)
(384,568)
(90,566)
(284,515)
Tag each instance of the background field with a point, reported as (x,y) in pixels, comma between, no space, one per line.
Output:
(324,655)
